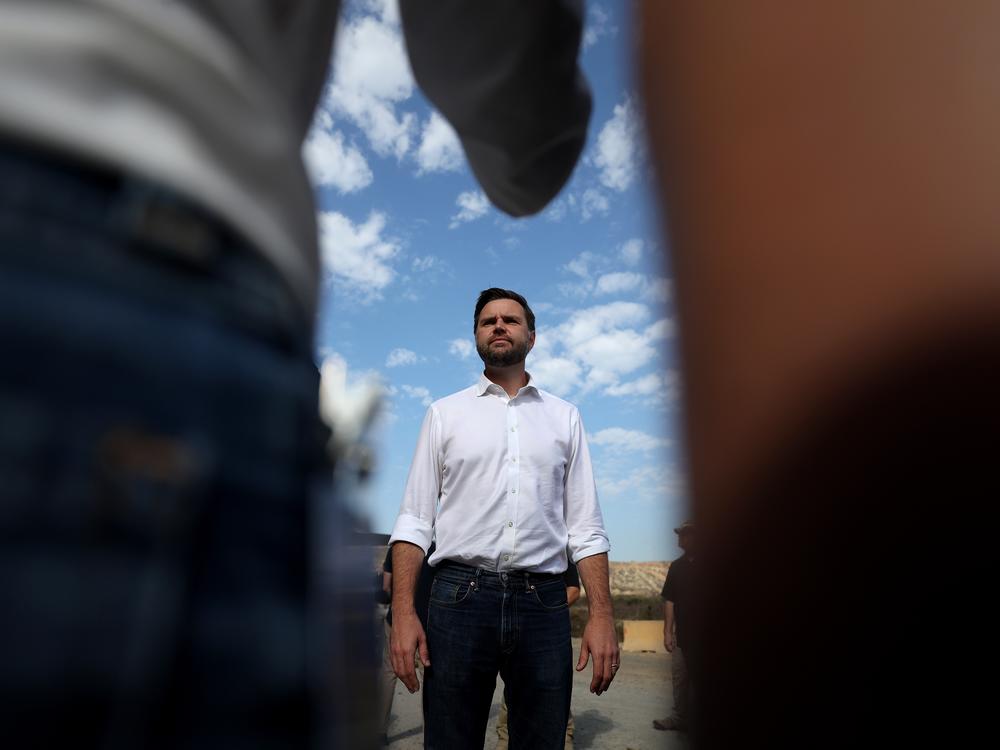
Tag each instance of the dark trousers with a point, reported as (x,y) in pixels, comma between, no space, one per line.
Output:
(481,624)
(159,445)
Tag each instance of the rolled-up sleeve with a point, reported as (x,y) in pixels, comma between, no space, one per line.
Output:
(584,522)
(415,522)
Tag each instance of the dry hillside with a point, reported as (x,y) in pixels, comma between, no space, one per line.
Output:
(637,578)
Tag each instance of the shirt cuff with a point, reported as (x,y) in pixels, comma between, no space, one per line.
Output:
(593,546)
(413,530)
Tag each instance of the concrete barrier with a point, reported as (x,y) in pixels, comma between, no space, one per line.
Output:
(643,635)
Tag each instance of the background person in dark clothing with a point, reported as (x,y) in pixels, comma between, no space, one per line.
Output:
(677,636)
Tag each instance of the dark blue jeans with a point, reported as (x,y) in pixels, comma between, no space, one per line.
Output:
(159,447)
(480,624)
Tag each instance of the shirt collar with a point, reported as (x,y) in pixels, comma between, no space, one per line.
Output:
(485,385)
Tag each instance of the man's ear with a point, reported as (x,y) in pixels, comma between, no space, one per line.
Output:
(531,341)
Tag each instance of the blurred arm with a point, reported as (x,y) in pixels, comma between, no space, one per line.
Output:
(505,76)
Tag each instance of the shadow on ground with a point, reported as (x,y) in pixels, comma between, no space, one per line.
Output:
(589,725)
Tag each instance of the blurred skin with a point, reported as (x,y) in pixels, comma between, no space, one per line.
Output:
(829,172)
(828,182)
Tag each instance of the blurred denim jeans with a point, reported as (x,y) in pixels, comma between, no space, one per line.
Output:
(160,449)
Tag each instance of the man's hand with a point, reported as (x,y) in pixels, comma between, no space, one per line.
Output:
(599,637)
(669,642)
(601,642)
(408,635)
(408,638)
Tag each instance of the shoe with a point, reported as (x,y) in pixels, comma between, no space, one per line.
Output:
(670,724)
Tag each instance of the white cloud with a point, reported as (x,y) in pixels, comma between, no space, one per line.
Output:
(425,263)
(647,385)
(616,283)
(616,352)
(654,387)
(417,392)
(331,163)
(582,264)
(656,483)
(472,205)
(659,290)
(631,251)
(596,348)
(592,203)
(557,210)
(401,357)
(628,282)
(618,146)
(461,348)
(371,77)
(618,438)
(577,289)
(587,324)
(556,374)
(661,329)
(439,150)
(592,270)
(357,256)
(598,24)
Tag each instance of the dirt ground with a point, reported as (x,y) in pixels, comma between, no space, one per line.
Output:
(621,719)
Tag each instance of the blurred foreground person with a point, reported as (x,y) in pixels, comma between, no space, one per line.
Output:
(829,177)
(161,458)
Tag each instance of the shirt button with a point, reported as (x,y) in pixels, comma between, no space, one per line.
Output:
(513,429)
(513,460)
(506,558)
(513,491)
(510,524)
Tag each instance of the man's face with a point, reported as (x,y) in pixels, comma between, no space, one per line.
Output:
(685,540)
(502,335)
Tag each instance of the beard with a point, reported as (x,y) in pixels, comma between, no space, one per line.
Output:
(512,355)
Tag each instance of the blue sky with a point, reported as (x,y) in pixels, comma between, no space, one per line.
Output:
(409,241)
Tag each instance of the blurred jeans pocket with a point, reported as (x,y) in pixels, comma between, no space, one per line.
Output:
(96,527)
(158,436)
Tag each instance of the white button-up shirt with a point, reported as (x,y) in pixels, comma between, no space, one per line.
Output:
(502,483)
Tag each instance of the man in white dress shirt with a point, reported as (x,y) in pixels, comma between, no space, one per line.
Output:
(502,479)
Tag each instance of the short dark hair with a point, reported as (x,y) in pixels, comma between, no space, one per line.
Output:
(494,293)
